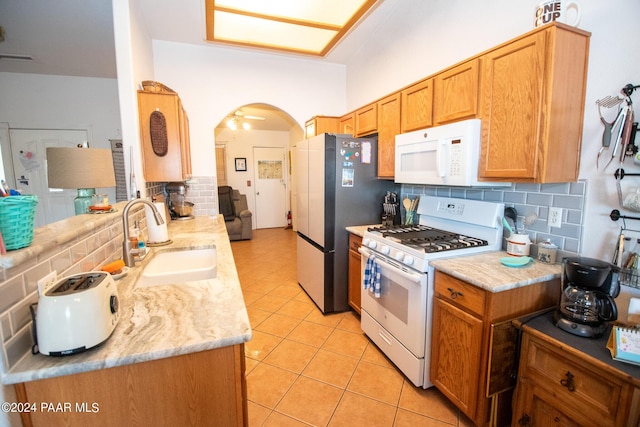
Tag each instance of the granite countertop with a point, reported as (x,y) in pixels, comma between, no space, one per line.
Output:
(162,321)
(485,271)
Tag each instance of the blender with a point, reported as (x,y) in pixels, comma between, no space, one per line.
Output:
(179,208)
(589,287)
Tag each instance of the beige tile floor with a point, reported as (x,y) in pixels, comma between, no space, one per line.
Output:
(305,368)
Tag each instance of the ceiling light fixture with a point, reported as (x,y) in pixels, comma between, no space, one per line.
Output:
(310,27)
(235,122)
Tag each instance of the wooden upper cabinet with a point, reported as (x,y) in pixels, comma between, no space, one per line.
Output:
(321,124)
(532,107)
(455,93)
(164,159)
(366,120)
(346,124)
(417,106)
(388,128)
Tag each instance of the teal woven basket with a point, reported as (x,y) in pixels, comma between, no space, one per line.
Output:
(16,220)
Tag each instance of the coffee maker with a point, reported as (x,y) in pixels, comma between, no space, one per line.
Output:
(589,287)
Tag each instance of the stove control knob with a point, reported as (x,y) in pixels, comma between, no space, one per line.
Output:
(399,256)
(372,244)
(385,249)
(408,260)
(365,241)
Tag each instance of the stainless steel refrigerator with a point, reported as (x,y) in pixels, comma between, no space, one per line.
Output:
(337,186)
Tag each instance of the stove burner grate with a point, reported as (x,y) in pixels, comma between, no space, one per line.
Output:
(427,239)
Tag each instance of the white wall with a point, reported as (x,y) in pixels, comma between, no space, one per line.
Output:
(214,81)
(134,63)
(37,101)
(416,38)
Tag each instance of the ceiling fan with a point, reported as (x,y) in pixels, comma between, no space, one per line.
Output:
(238,120)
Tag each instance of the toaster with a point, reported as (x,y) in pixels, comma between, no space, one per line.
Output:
(77,313)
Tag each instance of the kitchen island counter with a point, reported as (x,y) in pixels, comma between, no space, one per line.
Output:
(162,321)
(485,271)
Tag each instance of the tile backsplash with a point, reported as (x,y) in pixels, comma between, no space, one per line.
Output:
(18,285)
(528,199)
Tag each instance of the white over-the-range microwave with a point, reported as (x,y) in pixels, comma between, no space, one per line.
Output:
(441,155)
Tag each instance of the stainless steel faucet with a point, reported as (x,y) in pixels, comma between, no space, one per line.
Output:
(127,256)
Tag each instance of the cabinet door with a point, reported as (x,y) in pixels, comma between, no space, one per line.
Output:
(511,97)
(168,167)
(536,407)
(355,280)
(310,128)
(185,144)
(455,355)
(417,106)
(455,93)
(366,119)
(388,128)
(346,124)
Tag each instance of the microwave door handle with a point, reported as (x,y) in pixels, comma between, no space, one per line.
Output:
(441,158)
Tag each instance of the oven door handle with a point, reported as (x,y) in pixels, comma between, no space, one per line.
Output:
(384,264)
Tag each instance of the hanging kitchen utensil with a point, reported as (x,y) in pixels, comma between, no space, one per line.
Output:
(607,102)
(627,130)
(511,213)
(617,130)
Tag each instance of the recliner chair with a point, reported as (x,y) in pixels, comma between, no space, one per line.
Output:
(237,216)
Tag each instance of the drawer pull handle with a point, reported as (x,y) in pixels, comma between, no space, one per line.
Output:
(454,294)
(568,382)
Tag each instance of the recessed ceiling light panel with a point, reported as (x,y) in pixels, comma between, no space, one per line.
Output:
(302,26)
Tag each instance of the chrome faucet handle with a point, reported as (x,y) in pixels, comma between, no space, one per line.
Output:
(127,255)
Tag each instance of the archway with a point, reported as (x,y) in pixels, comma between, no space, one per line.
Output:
(247,159)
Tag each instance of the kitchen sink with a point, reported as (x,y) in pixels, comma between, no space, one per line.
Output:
(179,266)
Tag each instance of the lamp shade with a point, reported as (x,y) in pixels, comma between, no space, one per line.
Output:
(80,168)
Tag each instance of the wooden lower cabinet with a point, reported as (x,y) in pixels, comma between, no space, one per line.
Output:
(474,345)
(561,388)
(355,273)
(207,388)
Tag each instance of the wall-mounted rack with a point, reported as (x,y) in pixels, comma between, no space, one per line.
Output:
(615,215)
(620,173)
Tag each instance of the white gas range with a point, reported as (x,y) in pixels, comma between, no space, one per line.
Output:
(397,301)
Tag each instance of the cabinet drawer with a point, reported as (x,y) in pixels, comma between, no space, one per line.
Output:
(355,242)
(579,386)
(461,294)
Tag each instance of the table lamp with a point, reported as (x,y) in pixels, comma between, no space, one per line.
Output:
(83,169)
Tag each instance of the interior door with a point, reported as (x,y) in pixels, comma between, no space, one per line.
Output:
(270,187)
(29,152)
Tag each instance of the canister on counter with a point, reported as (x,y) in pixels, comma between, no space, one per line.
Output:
(547,252)
(518,244)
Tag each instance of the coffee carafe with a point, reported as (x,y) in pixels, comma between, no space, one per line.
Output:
(589,287)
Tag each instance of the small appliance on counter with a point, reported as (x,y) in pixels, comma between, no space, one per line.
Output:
(75,314)
(589,287)
(179,208)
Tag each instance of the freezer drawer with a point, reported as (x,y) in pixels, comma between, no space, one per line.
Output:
(311,272)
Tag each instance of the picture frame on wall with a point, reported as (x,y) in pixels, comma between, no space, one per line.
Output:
(241,164)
